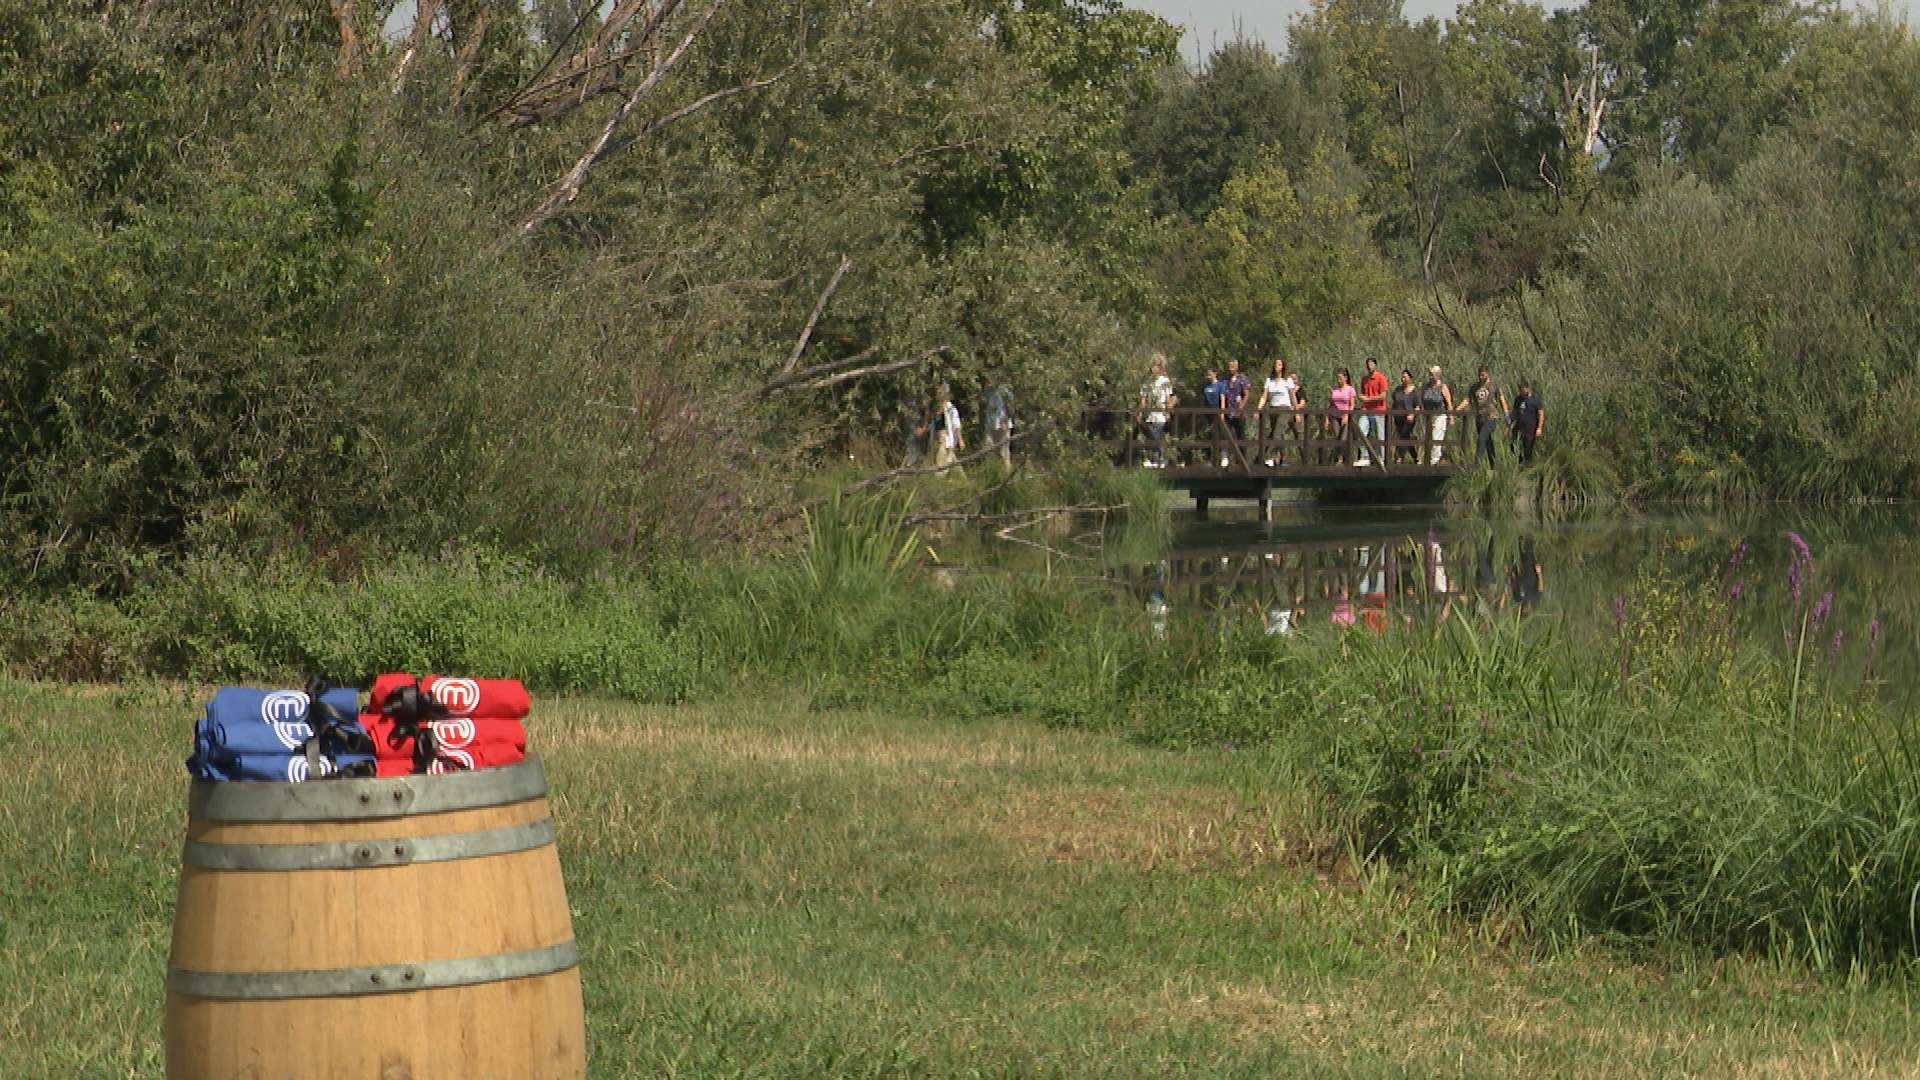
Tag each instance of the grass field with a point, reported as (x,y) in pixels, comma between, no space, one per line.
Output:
(765,890)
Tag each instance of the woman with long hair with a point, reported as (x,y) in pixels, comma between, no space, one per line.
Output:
(1279,396)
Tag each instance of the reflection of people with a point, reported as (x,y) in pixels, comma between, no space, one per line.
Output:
(1373,414)
(1529,581)
(1373,589)
(1342,614)
(1157,606)
(1279,618)
(1486,585)
(1156,397)
(1529,421)
(1436,400)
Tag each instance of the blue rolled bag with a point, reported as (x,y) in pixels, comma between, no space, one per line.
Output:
(281,735)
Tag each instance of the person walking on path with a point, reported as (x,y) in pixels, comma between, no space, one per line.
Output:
(1278,399)
(1405,402)
(996,417)
(1529,421)
(948,439)
(1489,405)
(1436,400)
(1373,415)
(1239,389)
(1156,397)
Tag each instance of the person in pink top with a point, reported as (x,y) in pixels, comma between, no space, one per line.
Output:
(1341,399)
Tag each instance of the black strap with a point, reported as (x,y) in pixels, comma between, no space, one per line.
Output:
(333,733)
(413,712)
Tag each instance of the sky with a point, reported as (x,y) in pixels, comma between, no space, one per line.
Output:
(1212,22)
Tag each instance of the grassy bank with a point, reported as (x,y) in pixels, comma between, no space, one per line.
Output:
(1673,786)
(772,889)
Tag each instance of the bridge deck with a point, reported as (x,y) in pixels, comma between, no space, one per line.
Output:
(1214,457)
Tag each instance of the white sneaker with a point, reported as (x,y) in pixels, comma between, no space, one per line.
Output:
(1362,463)
(1269,463)
(1223,463)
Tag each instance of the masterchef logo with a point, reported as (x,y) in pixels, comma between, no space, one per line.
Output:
(460,696)
(297,771)
(455,733)
(286,712)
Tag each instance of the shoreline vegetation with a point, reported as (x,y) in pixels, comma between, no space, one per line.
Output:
(1676,786)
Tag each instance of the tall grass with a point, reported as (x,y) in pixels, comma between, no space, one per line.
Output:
(1683,782)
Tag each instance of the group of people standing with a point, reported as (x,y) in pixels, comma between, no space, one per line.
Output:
(1280,408)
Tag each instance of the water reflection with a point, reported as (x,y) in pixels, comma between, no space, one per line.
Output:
(1291,580)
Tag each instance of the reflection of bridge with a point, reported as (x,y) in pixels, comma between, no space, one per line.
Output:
(1371,581)
(1213,457)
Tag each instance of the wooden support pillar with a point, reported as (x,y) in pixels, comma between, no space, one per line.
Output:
(1266,500)
(1200,506)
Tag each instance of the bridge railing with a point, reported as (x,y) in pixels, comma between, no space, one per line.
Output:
(1281,439)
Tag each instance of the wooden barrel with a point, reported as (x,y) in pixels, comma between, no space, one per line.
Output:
(397,929)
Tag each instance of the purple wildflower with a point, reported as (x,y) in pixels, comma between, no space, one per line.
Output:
(1739,556)
(1833,650)
(1800,547)
(1734,590)
(1822,608)
(1793,579)
(1619,613)
(1873,632)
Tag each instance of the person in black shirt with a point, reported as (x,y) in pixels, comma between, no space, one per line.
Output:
(1529,420)
(1405,401)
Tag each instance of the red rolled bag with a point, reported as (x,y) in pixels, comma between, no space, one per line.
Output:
(477,726)
(449,759)
(491,698)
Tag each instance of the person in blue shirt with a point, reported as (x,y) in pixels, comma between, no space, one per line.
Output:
(1214,396)
(1214,391)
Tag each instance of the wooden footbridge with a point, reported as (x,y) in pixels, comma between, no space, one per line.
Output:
(1214,456)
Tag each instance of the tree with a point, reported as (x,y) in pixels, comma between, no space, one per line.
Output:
(1199,129)
(1282,260)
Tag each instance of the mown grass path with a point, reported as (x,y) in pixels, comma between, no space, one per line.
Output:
(764,890)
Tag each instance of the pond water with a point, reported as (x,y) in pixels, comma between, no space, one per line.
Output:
(1372,567)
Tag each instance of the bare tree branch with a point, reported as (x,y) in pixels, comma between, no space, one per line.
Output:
(547,98)
(568,187)
(805,380)
(423,15)
(927,151)
(682,113)
(820,305)
(955,512)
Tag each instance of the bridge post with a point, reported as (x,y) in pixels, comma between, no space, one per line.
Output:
(1266,500)
(1200,506)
